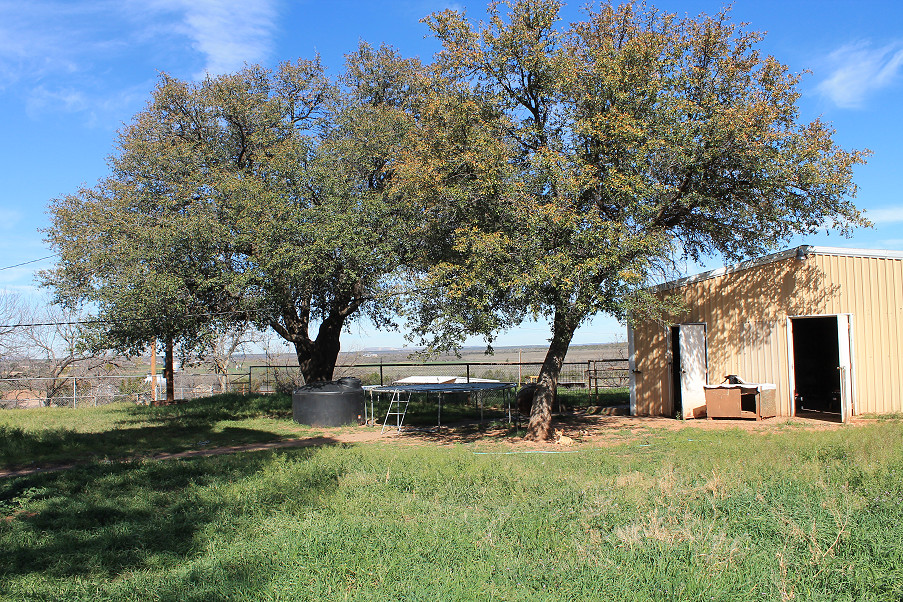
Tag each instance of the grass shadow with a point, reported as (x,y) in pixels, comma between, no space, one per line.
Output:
(109,520)
(139,430)
(227,406)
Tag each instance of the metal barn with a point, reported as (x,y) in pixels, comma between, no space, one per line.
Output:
(823,325)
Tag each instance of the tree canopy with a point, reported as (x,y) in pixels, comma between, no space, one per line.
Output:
(533,170)
(258,196)
(599,152)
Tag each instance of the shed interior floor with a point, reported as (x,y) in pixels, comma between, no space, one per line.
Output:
(814,415)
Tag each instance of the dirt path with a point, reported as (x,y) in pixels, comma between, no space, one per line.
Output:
(579,429)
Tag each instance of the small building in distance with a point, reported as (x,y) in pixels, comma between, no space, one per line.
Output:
(822,324)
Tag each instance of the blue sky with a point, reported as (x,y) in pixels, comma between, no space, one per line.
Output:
(72,72)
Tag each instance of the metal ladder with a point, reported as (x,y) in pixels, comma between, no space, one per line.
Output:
(398,407)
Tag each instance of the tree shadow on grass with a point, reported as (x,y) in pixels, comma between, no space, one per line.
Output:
(102,521)
(176,428)
(51,448)
(574,423)
(227,406)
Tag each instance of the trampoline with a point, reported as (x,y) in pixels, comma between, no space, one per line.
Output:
(401,396)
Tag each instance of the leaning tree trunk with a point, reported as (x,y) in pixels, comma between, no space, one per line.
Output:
(540,425)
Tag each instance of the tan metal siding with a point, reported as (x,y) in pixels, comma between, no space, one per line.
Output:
(872,290)
(746,314)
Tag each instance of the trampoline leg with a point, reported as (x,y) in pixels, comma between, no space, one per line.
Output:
(399,412)
(508,400)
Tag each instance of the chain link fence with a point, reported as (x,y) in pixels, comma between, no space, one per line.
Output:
(97,390)
(592,374)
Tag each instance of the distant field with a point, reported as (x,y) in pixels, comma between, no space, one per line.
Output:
(576,353)
(647,513)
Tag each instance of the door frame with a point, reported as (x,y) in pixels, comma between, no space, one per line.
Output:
(671,375)
(849,404)
(631,367)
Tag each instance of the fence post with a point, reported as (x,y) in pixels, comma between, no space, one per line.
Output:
(74,386)
(520,365)
(468,372)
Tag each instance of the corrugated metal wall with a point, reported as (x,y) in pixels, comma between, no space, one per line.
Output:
(746,313)
(871,289)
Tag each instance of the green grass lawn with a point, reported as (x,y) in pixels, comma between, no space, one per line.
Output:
(581,398)
(688,514)
(49,435)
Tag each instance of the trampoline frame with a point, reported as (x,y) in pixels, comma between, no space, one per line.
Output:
(402,394)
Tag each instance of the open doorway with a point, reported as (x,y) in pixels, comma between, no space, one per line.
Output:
(821,364)
(675,373)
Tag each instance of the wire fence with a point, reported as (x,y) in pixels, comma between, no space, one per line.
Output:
(591,374)
(97,390)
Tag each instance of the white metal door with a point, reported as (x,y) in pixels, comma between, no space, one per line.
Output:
(693,368)
(845,365)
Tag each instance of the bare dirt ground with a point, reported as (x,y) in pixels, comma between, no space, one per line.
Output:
(575,428)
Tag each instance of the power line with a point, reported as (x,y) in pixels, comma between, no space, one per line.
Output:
(18,265)
(79,322)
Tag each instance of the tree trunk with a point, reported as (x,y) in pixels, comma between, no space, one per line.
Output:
(224,379)
(540,425)
(153,371)
(169,372)
(318,358)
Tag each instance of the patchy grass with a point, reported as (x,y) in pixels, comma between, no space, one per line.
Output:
(689,514)
(581,398)
(51,435)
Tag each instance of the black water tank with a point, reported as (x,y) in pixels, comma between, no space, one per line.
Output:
(332,403)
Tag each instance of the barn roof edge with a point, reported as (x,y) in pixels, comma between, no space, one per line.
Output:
(800,252)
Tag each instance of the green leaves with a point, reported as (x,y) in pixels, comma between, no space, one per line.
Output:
(256,195)
(618,141)
(605,150)
(535,169)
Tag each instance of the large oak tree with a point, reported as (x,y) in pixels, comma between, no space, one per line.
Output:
(258,195)
(596,153)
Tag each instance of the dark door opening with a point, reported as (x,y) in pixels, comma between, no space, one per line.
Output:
(816,360)
(678,409)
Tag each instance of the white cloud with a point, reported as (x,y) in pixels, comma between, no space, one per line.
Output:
(887,215)
(60,49)
(67,100)
(228,33)
(29,47)
(859,70)
(59,56)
